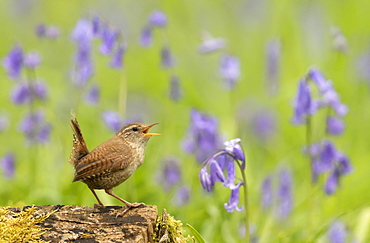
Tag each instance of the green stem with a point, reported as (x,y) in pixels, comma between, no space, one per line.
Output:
(245,189)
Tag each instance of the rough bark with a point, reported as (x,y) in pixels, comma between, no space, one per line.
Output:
(72,223)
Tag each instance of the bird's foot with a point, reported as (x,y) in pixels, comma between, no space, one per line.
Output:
(98,205)
(128,206)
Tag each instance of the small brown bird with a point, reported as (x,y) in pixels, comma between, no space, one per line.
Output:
(112,162)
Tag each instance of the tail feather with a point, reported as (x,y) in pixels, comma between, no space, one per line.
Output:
(79,149)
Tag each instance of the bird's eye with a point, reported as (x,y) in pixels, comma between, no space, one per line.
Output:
(135,129)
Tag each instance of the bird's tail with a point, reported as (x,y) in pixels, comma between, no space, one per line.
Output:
(79,149)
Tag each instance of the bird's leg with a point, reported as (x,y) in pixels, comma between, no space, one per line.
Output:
(96,196)
(129,205)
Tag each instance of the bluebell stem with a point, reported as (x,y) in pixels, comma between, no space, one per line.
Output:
(13,62)
(229,70)
(337,232)
(235,152)
(112,120)
(203,136)
(8,165)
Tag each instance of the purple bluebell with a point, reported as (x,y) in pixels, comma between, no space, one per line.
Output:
(320,81)
(284,194)
(146,36)
(230,180)
(331,99)
(52,32)
(21,94)
(35,128)
(205,179)
(82,35)
(4,122)
(112,120)
(303,104)
(167,59)
(170,174)
(263,123)
(8,165)
(92,96)
(117,57)
(175,90)
(157,18)
(96,25)
(108,38)
(40,90)
(32,60)
(13,62)
(216,172)
(234,148)
(229,70)
(211,45)
(337,232)
(343,164)
(332,182)
(273,56)
(328,156)
(182,196)
(334,125)
(234,200)
(266,192)
(40,30)
(203,136)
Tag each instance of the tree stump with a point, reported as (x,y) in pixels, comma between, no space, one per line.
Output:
(72,223)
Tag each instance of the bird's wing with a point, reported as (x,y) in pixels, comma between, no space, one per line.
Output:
(100,161)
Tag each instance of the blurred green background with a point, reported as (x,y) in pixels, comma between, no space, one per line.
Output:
(304,30)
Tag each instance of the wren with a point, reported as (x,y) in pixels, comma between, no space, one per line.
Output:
(112,162)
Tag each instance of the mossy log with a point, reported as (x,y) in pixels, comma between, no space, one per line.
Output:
(70,223)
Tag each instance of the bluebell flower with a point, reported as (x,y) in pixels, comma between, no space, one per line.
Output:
(203,136)
(233,147)
(230,180)
(334,125)
(337,232)
(273,56)
(285,198)
(182,196)
(92,96)
(175,90)
(234,200)
(343,164)
(82,33)
(35,128)
(205,179)
(13,62)
(331,99)
(108,38)
(32,60)
(52,32)
(146,36)
(303,104)
(263,123)
(266,192)
(21,94)
(112,120)
(157,18)
(96,25)
(331,183)
(320,81)
(117,59)
(170,174)
(216,172)
(211,45)
(40,30)
(229,70)
(167,60)
(328,156)
(8,165)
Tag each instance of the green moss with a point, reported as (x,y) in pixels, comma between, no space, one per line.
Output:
(169,230)
(21,227)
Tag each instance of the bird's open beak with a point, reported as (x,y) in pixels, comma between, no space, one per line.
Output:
(146,133)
